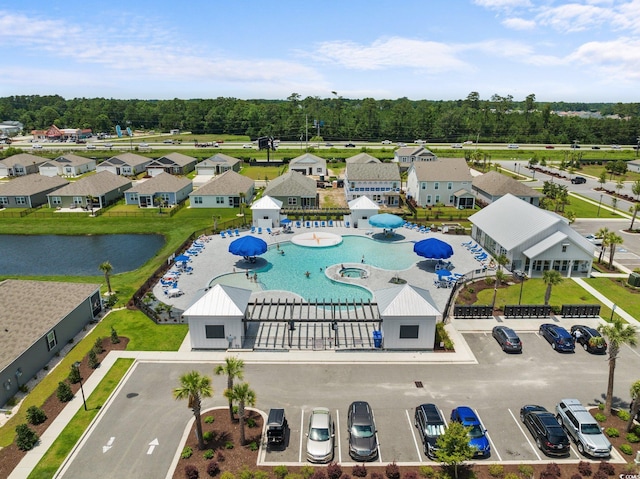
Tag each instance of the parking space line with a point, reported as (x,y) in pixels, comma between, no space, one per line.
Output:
(493,446)
(535,449)
(413,433)
(377,438)
(337,441)
(301,435)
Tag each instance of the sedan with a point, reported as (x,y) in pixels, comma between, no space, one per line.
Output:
(507,339)
(320,436)
(37,146)
(558,337)
(349,145)
(477,433)
(589,338)
(363,445)
(545,429)
(550,147)
(247,145)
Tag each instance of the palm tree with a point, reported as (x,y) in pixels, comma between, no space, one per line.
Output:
(617,333)
(634,209)
(106,268)
(602,233)
(635,404)
(194,387)
(500,277)
(243,396)
(635,188)
(613,240)
(551,278)
(233,367)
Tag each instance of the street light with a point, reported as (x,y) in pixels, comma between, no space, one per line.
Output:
(76,365)
(521,276)
(613,310)
(599,204)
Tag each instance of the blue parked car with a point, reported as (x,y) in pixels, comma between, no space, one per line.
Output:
(477,434)
(558,337)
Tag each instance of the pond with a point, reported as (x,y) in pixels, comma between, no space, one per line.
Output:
(49,255)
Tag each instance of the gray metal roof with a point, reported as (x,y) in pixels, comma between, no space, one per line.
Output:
(372,172)
(94,185)
(497,184)
(220,301)
(292,183)
(31,184)
(162,183)
(30,309)
(228,183)
(545,244)
(405,300)
(443,169)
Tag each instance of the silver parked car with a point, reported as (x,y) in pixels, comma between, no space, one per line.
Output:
(320,436)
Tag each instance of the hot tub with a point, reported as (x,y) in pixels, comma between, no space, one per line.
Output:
(353,273)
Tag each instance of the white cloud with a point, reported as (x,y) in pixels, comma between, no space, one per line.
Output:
(519,24)
(618,59)
(502,4)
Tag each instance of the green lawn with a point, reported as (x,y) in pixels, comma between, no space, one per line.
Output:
(616,291)
(585,209)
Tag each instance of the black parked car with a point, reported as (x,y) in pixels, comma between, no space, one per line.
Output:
(558,337)
(507,339)
(430,426)
(578,180)
(546,430)
(276,427)
(589,338)
(363,444)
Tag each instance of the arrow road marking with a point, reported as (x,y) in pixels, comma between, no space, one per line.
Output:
(152,446)
(109,444)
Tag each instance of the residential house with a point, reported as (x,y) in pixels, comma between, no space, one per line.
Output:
(37,320)
(407,155)
(308,164)
(218,164)
(228,190)
(445,182)
(125,164)
(67,165)
(160,190)
(91,192)
(29,191)
(493,185)
(294,190)
(173,163)
(633,166)
(20,165)
(361,158)
(380,182)
(533,240)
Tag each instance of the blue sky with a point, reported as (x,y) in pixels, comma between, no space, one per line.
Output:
(582,50)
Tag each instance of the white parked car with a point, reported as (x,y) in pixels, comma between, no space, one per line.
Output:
(144,145)
(456,145)
(320,436)
(247,145)
(594,240)
(513,146)
(37,146)
(387,142)
(91,147)
(420,142)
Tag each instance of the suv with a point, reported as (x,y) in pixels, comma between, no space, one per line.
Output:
(363,445)
(582,428)
(430,426)
(276,427)
(545,429)
(578,180)
(590,339)
(558,337)
(477,433)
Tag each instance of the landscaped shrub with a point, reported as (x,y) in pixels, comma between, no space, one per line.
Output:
(213,469)
(208,454)
(359,470)
(250,422)
(307,471)
(576,476)
(191,472)
(392,471)
(220,456)
(74,375)
(334,471)
(318,474)
(26,438)
(376,475)
(115,339)
(227,475)
(496,470)
(525,471)
(627,449)
(64,393)
(612,432)
(600,475)
(607,468)
(511,475)
(427,471)
(245,473)
(410,475)
(187,452)
(600,417)
(209,419)
(632,438)
(261,475)
(584,468)
(601,406)
(552,470)
(624,415)
(280,471)
(228,445)
(93,359)
(253,446)
(97,346)
(207,435)
(35,415)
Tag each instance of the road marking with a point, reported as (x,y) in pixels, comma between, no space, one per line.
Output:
(109,444)
(493,446)
(338,436)
(413,433)
(152,446)
(377,438)
(535,449)
(301,435)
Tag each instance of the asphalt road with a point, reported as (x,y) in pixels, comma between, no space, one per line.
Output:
(143,409)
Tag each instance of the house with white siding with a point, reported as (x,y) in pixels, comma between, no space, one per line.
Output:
(228,190)
(67,165)
(408,155)
(309,165)
(380,182)
(492,186)
(20,165)
(218,164)
(125,164)
(446,181)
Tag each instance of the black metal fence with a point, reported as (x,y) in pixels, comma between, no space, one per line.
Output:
(527,311)
(580,310)
(463,311)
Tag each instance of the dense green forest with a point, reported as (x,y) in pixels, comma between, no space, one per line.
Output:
(499,119)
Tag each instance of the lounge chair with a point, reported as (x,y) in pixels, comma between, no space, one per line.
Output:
(269,231)
(468,243)
(323,224)
(229,233)
(331,223)
(223,234)
(315,224)
(347,224)
(237,232)
(298,224)
(259,230)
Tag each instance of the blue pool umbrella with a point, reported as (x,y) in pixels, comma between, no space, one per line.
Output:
(285,221)
(433,248)
(180,258)
(386,220)
(443,272)
(248,246)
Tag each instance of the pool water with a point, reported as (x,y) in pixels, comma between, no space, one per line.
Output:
(288,272)
(352,272)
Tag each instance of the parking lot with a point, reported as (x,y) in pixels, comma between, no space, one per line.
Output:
(495,388)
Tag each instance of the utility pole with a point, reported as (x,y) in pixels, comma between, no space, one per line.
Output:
(306,132)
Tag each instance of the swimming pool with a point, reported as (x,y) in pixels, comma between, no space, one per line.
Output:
(287,272)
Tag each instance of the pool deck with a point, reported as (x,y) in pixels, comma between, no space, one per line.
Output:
(215,260)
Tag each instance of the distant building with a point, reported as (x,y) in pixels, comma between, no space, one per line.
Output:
(10,128)
(53,133)
(493,185)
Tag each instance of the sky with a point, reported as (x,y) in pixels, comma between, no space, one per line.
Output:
(574,51)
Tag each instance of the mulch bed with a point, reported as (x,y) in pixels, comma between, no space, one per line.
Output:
(11,456)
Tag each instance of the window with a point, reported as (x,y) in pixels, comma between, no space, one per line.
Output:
(292,201)
(319,169)
(450,186)
(214,331)
(21,200)
(437,198)
(220,200)
(436,186)
(409,331)
(77,200)
(423,186)
(428,199)
(451,199)
(197,200)
(564,247)
(4,200)
(51,340)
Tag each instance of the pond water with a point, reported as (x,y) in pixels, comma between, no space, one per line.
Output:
(48,255)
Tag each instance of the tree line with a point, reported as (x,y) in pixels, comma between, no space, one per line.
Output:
(499,119)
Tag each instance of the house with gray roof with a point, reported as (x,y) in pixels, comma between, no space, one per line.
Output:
(380,182)
(29,191)
(491,186)
(20,165)
(173,163)
(634,166)
(362,158)
(37,319)
(67,165)
(163,189)
(446,181)
(294,190)
(308,164)
(228,190)
(407,155)
(125,164)
(91,192)
(218,164)
(533,240)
